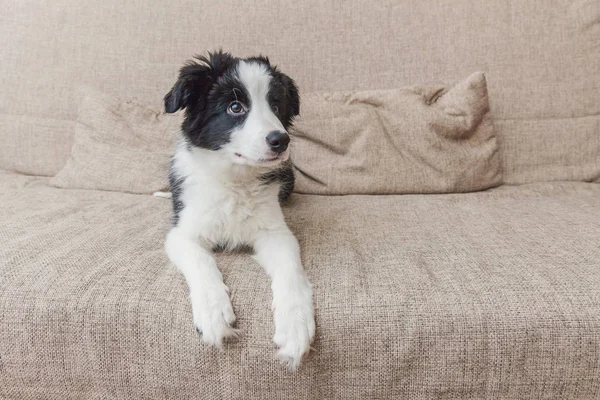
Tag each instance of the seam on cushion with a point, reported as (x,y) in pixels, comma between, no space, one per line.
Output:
(597,114)
(556,165)
(15,172)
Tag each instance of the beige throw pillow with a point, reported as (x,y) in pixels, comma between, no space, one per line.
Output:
(119,146)
(424,139)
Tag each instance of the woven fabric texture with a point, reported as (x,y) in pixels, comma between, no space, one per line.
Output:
(487,295)
(423,139)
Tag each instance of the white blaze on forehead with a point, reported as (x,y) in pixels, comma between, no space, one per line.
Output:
(256,78)
(250,140)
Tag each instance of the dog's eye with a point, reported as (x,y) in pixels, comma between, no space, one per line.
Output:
(236,108)
(275,109)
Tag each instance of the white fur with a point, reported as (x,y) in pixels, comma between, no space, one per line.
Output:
(164,195)
(225,204)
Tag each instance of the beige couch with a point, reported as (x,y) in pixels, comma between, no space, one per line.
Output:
(483,295)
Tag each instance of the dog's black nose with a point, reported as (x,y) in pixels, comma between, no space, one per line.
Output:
(278,141)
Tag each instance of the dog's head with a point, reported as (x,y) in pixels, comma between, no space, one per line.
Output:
(241,107)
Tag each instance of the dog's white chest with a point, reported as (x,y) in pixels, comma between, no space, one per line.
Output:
(231,214)
(240,215)
(240,204)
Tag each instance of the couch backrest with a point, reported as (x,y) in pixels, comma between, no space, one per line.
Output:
(541,58)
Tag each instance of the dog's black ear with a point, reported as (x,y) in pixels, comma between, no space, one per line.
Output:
(177,98)
(291,93)
(196,78)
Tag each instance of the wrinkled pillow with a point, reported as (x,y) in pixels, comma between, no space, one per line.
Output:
(423,139)
(119,146)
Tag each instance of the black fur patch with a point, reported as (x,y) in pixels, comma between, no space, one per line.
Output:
(213,131)
(284,176)
(284,94)
(176,182)
(205,88)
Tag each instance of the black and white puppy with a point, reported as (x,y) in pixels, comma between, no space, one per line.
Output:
(229,173)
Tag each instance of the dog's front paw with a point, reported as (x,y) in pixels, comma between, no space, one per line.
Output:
(294,327)
(213,316)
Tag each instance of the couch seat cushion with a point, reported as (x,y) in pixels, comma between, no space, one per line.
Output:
(484,295)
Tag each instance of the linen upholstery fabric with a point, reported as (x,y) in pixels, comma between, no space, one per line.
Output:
(121,146)
(417,140)
(541,60)
(486,295)
(34,145)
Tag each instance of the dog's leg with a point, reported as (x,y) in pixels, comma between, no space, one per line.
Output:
(278,252)
(211,306)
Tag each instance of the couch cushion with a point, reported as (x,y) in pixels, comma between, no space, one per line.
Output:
(484,295)
(119,145)
(541,58)
(423,139)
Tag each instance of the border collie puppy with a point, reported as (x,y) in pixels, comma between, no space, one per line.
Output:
(229,173)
